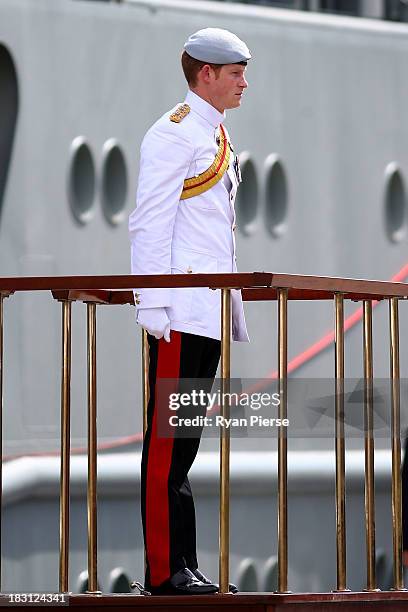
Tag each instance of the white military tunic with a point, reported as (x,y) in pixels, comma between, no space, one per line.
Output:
(195,235)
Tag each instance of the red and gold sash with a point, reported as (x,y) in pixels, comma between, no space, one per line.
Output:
(203,182)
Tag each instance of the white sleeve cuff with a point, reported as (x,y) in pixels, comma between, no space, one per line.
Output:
(152,298)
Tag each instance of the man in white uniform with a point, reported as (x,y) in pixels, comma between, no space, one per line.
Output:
(184,222)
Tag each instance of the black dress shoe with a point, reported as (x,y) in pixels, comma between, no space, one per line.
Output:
(231,587)
(184,583)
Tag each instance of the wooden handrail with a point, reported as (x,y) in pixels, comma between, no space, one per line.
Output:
(300,286)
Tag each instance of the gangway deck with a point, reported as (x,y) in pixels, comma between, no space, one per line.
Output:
(394,601)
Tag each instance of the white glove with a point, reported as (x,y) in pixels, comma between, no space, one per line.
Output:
(155,321)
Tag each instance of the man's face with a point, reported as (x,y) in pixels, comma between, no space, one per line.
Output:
(226,90)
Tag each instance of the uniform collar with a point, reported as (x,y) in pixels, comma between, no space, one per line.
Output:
(204,109)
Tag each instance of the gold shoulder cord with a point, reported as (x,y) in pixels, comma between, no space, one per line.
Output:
(197,185)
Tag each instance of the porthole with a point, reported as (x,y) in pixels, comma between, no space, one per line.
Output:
(114,182)
(119,581)
(383,570)
(247,195)
(271,575)
(8,114)
(395,203)
(247,576)
(81,180)
(276,196)
(82,582)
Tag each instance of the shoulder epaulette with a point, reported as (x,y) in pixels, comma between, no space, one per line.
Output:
(179,114)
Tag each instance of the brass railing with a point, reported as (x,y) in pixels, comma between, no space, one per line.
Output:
(111,290)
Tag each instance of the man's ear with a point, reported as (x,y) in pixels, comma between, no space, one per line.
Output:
(205,73)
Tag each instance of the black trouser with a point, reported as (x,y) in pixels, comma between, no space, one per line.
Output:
(168,512)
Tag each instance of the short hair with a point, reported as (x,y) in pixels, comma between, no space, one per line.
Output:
(191,67)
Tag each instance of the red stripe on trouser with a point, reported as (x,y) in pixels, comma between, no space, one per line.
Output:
(158,468)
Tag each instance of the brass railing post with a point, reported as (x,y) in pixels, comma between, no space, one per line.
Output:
(369,487)
(282,442)
(396,446)
(3,294)
(340,444)
(1,421)
(225,439)
(65,446)
(92,452)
